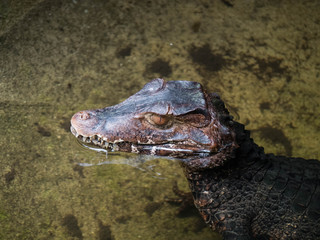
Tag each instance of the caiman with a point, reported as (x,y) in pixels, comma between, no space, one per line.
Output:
(239,190)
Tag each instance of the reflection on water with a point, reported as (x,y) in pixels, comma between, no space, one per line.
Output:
(59,57)
(145,163)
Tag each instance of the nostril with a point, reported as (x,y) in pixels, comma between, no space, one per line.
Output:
(84,115)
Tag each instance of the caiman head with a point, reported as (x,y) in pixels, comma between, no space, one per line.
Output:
(175,118)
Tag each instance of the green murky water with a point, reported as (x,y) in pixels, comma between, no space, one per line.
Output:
(59,57)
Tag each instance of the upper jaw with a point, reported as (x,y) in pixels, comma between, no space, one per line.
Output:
(96,140)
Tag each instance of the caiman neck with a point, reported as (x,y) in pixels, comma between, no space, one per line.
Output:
(248,152)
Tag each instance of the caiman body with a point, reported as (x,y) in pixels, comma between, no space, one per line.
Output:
(239,190)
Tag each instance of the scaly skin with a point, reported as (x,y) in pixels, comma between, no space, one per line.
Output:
(239,190)
(259,196)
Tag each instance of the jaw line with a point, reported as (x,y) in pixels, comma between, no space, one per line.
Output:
(149,148)
(97,140)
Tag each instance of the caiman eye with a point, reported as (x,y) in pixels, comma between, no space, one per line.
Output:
(162,121)
(159,119)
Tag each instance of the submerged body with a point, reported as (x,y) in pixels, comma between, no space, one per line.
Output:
(239,190)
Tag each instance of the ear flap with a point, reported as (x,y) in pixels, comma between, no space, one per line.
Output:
(197,118)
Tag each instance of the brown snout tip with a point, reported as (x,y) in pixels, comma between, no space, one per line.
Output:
(83,115)
(83,122)
(78,119)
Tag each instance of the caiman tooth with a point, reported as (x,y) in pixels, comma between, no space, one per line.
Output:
(115,147)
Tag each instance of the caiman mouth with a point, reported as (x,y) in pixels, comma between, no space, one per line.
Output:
(99,141)
(168,148)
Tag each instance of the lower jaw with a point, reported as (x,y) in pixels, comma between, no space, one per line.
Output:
(145,149)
